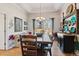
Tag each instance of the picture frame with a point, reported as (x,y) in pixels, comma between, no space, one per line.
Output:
(25,25)
(71,8)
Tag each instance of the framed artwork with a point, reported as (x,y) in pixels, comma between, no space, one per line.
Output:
(71,8)
(17,24)
(70,24)
(25,28)
(25,25)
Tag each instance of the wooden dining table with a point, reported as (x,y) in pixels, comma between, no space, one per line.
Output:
(45,39)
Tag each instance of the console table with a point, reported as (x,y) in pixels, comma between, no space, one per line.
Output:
(66,42)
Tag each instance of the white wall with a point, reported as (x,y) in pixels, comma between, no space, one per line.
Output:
(11,11)
(1,31)
(55,15)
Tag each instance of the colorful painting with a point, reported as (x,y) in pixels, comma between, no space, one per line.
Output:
(66,29)
(70,24)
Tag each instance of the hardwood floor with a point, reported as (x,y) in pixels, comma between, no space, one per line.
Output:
(11,52)
(17,51)
(57,52)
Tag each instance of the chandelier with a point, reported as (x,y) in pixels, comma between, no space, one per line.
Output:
(40,18)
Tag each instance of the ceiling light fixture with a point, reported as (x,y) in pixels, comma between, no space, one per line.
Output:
(40,18)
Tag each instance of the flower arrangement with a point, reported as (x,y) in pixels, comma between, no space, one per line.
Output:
(11,37)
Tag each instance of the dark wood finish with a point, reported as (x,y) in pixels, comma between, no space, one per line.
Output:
(47,48)
(28,47)
(29,36)
(68,44)
(45,45)
(32,44)
(77,14)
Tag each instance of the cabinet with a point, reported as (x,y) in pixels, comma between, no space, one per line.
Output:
(77,21)
(66,42)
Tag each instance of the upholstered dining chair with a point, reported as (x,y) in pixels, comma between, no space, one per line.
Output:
(46,46)
(28,45)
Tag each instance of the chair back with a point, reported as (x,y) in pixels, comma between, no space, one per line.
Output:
(28,45)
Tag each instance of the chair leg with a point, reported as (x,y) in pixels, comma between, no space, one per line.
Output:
(50,52)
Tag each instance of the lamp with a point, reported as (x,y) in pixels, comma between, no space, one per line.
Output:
(40,18)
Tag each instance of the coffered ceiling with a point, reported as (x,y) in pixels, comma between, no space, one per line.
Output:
(45,7)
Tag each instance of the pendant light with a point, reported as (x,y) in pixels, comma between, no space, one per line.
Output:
(40,18)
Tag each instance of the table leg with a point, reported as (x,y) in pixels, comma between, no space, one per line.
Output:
(50,52)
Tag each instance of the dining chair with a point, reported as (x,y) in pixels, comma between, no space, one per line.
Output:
(47,47)
(28,45)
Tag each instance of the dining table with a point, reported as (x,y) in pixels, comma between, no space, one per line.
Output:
(44,40)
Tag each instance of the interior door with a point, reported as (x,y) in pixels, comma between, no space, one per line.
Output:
(2,31)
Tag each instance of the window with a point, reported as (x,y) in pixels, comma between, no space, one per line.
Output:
(17,24)
(45,25)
